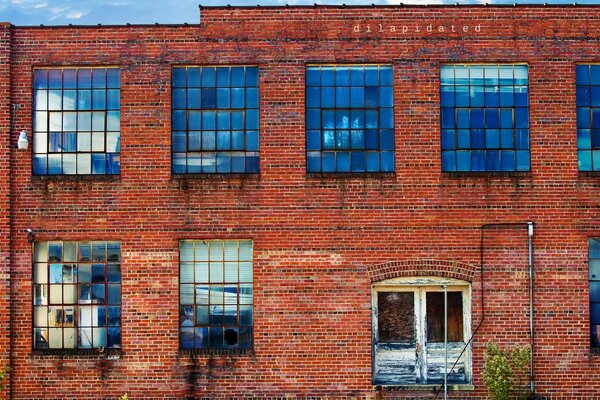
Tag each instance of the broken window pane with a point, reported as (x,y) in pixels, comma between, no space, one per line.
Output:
(435,317)
(396,317)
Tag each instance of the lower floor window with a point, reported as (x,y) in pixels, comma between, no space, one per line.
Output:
(77,295)
(412,330)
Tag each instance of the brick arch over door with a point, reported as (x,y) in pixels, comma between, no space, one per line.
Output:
(422,267)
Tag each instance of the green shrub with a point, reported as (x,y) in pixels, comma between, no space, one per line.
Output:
(3,373)
(506,372)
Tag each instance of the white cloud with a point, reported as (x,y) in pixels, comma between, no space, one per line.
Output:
(40,5)
(75,14)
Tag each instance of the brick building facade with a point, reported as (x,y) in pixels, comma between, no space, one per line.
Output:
(334,159)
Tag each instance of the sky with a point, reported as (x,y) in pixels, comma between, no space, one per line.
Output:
(91,12)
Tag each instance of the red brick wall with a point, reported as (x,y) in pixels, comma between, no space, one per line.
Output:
(317,239)
(5,33)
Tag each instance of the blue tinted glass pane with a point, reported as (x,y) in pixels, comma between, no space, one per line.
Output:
(194,120)
(238,97)
(582,74)
(342,162)
(208,77)
(313,76)
(252,163)
(492,119)
(357,119)
(194,163)
(461,74)
(492,96)
(342,76)
(596,160)
(506,74)
(237,120)
(98,99)
(386,97)
(224,121)
(448,161)
(313,140)
(477,119)
(447,75)
(372,162)
(223,140)
(478,160)
(506,119)
(223,98)
(40,79)
(595,96)
(328,139)
(387,161)
(522,138)
(209,163)
(463,160)
(237,76)
(521,96)
(477,96)
(98,78)
(372,75)
(462,96)
(98,163)
(371,96)
(385,75)
(583,96)
(342,139)
(476,75)
(313,118)
(313,97)
(447,118)
(595,118)
(595,295)
(252,119)
(357,76)
(84,78)
(209,98)
(252,141)
(39,164)
(209,140)
(386,118)
(371,139)
(69,143)
(595,138)
(179,163)
(342,119)
(595,74)
(462,118)
(584,139)
(387,140)
(327,76)
(223,162)
(112,100)
(209,121)
(507,159)
(193,77)
(520,75)
(506,138)
(521,117)
(447,96)
(328,121)
(223,77)
(492,138)
(113,163)
(522,160)
(448,139)
(237,140)
(328,161)
(357,96)
(357,161)
(594,311)
(594,248)
(492,160)
(327,97)
(371,119)
(506,96)
(194,141)
(252,76)
(313,161)
(112,78)
(477,139)
(463,139)
(179,77)
(238,162)
(583,118)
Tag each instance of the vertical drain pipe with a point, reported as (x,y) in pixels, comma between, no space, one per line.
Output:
(531,337)
(445,342)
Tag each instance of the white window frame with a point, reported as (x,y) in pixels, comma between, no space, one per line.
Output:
(421,286)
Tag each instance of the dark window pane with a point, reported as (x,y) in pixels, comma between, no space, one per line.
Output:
(395,317)
(436,317)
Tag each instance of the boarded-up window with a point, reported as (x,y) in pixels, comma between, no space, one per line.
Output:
(435,317)
(396,317)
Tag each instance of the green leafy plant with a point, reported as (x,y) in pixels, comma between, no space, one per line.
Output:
(3,373)
(506,373)
(124,397)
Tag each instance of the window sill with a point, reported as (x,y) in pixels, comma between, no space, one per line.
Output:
(432,387)
(350,175)
(486,174)
(213,352)
(216,176)
(110,354)
(593,174)
(77,178)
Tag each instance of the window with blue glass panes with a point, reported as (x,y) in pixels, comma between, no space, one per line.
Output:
(587,78)
(215,119)
(484,117)
(594,282)
(76,121)
(349,118)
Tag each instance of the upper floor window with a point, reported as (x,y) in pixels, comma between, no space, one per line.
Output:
(594,281)
(484,117)
(215,294)
(588,117)
(77,295)
(215,119)
(76,124)
(349,118)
